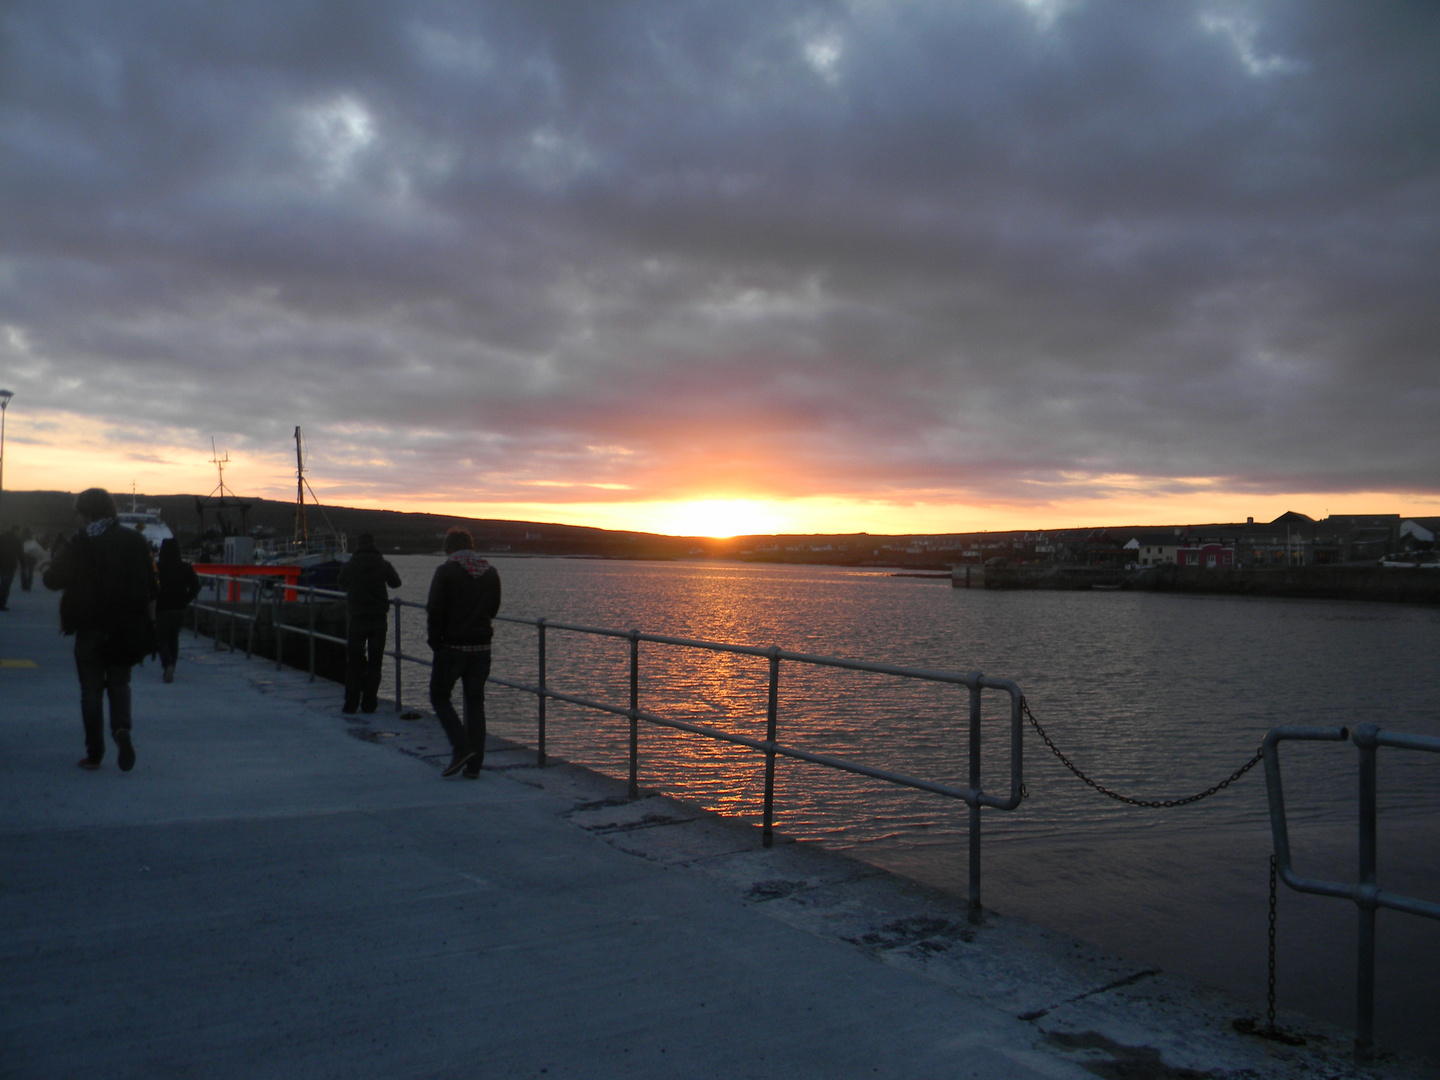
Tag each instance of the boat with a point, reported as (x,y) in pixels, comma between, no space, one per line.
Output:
(309,557)
(318,552)
(146,522)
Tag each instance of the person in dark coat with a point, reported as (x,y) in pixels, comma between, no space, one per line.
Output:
(108,603)
(12,550)
(179,585)
(364,578)
(464,597)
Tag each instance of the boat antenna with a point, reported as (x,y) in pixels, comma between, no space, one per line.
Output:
(219,463)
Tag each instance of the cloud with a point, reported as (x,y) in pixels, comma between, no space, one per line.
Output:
(872,250)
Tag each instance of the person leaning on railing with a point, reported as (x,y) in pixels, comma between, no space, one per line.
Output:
(367,607)
(464,597)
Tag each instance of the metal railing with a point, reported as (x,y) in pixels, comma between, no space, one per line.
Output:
(262,590)
(1367,738)
(771,747)
(1366,893)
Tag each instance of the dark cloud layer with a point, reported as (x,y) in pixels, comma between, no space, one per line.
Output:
(806,248)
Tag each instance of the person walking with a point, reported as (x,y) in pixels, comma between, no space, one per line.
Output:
(179,585)
(12,552)
(108,603)
(464,597)
(364,578)
(33,557)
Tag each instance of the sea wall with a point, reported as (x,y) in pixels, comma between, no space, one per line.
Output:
(1310,582)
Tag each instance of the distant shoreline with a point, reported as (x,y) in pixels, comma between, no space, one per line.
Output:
(1370,583)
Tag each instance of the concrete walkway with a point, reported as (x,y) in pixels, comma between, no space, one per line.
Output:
(277,891)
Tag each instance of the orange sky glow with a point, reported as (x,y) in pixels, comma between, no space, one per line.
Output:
(60,452)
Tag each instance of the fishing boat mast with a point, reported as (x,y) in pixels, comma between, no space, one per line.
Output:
(302,533)
(329,536)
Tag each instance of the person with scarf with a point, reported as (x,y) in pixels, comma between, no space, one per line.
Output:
(108,603)
(464,597)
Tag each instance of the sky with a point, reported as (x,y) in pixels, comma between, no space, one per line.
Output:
(728,267)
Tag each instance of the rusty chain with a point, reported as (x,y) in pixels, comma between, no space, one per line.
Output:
(1155,804)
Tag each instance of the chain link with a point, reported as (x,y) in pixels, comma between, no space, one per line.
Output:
(1155,804)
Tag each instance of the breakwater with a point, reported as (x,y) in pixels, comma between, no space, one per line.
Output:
(1300,582)
(1153,695)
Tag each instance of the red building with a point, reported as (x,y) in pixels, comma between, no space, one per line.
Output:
(1210,556)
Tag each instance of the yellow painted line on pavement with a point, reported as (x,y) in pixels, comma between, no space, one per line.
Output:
(18,663)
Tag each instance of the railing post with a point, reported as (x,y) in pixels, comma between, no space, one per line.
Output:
(215,617)
(540,699)
(234,611)
(977,913)
(275,617)
(398,650)
(1364,740)
(767,838)
(311,595)
(634,714)
(250,624)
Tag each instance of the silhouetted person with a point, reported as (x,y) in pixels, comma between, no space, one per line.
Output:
(32,556)
(179,585)
(464,597)
(109,605)
(364,578)
(11,552)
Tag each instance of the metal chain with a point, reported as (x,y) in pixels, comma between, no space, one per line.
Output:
(1155,804)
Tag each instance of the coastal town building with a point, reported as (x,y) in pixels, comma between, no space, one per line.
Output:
(1152,549)
(1209,556)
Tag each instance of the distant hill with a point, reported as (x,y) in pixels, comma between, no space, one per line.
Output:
(409,533)
(418,533)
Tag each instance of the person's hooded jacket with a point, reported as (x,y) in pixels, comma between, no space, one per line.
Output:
(464,597)
(364,578)
(109,587)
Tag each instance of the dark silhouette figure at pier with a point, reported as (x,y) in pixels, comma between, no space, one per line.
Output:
(464,597)
(108,603)
(11,552)
(179,585)
(32,555)
(364,578)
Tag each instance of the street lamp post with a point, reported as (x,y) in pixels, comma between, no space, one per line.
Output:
(5,396)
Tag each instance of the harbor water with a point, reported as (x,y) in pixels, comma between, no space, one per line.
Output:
(1153,695)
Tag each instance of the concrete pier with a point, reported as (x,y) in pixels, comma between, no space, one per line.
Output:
(278,890)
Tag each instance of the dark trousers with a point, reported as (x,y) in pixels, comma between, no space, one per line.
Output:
(99,679)
(167,634)
(364,661)
(5,579)
(471,669)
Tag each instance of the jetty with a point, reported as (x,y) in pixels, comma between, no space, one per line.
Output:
(281,890)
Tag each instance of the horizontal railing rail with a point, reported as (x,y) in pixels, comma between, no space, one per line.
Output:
(1365,893)
(975,683)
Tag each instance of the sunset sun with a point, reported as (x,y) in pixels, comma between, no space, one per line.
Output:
(717,518)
